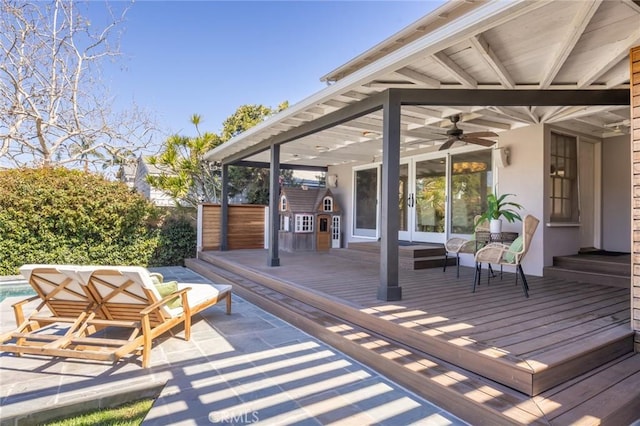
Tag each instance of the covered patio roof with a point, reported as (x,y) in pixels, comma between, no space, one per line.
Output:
(481,48)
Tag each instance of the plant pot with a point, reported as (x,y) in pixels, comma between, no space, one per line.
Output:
(495,226)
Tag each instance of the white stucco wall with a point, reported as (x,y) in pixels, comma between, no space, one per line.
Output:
(616,187)
(525,178)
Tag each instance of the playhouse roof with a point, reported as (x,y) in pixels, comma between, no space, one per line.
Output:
(300,199)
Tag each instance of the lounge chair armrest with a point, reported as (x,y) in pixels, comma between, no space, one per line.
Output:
(182,293)
(22,302)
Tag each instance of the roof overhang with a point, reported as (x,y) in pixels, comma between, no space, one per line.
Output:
(502,65)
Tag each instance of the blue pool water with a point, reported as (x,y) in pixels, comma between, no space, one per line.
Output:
(15,288)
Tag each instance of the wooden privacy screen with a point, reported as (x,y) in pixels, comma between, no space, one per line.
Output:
(245,227)
(635,144)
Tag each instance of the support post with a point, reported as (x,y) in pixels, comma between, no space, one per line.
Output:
(389,288)
(224,208)
(274,195)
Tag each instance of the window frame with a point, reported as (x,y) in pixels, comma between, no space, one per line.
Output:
(564,203)
(327,202)
(304,223)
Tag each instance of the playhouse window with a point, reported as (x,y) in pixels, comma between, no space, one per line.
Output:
(327,204)
(284,223)
(283,203)
(304,223)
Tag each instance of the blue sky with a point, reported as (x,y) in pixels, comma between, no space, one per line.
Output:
(210,57)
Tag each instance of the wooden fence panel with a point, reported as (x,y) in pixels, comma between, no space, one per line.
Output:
(245,227)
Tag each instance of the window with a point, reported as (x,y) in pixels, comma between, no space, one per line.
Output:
(327,204)
(284,223)
(365,202)
(283,203)
(563,175)
(304,223)
(471,182)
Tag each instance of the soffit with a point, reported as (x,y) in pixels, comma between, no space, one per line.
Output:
(493,45)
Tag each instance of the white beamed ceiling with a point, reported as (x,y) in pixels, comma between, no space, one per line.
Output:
(468,45)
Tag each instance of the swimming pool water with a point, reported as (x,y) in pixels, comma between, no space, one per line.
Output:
(15,288)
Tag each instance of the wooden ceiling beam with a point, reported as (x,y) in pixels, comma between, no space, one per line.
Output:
(418,78)
(480,44)
(573,32)
(455,70)
(616,52)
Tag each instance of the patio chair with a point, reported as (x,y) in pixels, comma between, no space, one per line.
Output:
(65,312)
(116,300)
(508,254)
(458,245)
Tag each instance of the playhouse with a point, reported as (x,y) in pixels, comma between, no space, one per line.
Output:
(310,219)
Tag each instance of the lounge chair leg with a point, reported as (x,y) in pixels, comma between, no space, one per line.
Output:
(444,269)
(525,286)
(457,265)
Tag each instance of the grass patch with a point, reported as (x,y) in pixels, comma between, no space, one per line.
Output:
(129,414)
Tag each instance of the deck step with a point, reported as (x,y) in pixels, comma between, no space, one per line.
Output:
(608,279)
(414,257)
(620,266)
(465,394)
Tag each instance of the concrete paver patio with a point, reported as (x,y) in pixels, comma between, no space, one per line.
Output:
(249,367)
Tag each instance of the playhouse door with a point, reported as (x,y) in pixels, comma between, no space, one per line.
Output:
(323,233)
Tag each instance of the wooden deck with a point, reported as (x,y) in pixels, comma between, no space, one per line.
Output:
(566,336)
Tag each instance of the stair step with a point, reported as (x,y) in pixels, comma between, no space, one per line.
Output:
(612,280)
(594,264)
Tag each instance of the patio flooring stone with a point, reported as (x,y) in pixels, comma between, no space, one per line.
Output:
(244,368)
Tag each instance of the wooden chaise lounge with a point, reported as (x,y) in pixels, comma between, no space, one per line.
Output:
(81,305)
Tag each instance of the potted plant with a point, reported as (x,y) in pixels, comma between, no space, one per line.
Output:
(498,207)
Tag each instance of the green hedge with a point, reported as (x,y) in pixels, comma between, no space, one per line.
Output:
(56,215)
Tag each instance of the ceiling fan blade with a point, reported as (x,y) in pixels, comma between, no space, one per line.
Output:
(478,141)
(481,135)
(448,144)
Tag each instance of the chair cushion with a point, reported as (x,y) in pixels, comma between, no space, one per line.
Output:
(167,288)
(515,247)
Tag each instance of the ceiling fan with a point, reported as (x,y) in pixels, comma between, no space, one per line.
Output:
(456,134)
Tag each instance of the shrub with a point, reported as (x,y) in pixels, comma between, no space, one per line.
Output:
(56,215)
(176,241)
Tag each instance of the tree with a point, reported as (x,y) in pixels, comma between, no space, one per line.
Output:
(251,181)
(186,176)
(53,107)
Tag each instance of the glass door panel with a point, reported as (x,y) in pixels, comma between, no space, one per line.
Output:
(471,181)
(366,201)
(404,200)
(430,200)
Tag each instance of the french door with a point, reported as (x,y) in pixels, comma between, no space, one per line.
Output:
(441,194)
(423,200)
(438,195)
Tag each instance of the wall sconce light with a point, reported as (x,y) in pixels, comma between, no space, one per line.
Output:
(502,156)
(332,181)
